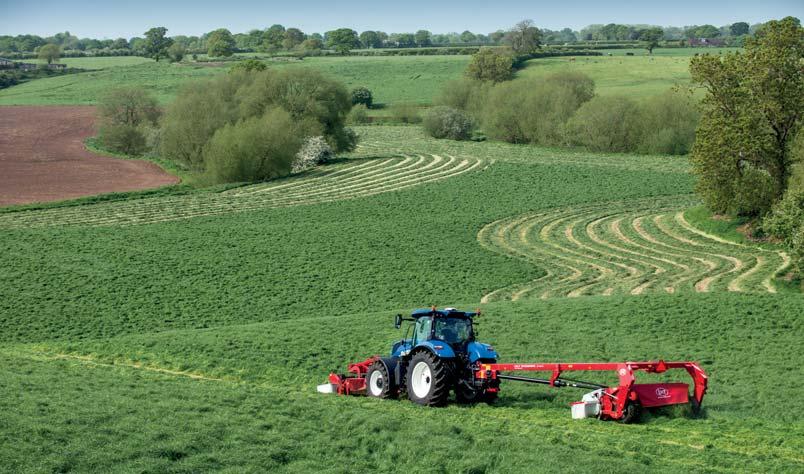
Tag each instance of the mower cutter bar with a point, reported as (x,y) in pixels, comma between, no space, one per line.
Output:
(611,402)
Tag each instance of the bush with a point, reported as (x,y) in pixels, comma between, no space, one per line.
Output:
(317,106)
(358,115)
(128,106)
(361,95)
(255,148)
(200,109)
(668,122)
(248,65)
(797,250)
(307,95)
(176,53)
(124,139)
(495,65)
(446,122)
(785,217)
(535,110)
(406,113)
(464,94)
(125,115)
(607,124)
(786,222)
(315,151)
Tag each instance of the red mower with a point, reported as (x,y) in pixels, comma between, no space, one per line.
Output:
(442,356)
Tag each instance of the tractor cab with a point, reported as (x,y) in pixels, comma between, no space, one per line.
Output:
(446,332)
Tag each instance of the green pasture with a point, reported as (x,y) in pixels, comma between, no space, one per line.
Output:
(99,62)
(392,79)
(633,76)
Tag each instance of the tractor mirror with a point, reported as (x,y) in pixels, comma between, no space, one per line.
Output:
(398,321)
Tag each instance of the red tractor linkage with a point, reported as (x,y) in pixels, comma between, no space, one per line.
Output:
(443,356)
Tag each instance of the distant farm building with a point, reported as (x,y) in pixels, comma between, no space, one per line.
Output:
(705,42)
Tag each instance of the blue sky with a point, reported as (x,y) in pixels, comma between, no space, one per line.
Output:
(112,19)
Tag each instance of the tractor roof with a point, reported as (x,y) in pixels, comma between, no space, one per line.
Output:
(447,312)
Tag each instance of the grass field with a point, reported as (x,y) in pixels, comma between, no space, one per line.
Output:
(398,79)
(187,332)
(100,62)
(392,80)
(637,76)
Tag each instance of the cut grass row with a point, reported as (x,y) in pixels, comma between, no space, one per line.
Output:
(631,247)
(348,180)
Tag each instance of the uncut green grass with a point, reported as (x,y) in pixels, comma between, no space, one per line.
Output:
(635,76)
(391,79)
(100,62)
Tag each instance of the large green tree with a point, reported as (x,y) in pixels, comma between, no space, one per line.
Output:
(156,43)
(370,39)
(753,109)
(423,38)
(293,38)
(273,37)
(740,28)
(494,65)
(524,37)
(220,43)
(49,53)
(651,37)
(343,40)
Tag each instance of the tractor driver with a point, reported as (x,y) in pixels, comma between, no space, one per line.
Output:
(452,330)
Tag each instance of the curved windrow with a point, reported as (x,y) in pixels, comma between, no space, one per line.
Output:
(347,180)
(631,247)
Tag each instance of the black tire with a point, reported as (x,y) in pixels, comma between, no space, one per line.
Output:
(381,385)
(490,397)
(695,407)
(466,395)
(432,386)
(631,413)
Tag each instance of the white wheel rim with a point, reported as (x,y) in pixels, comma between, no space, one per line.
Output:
(421,379)
(376,383)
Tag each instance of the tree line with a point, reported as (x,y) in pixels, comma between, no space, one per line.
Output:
(278,38)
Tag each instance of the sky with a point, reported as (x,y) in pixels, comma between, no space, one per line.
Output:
(114,18)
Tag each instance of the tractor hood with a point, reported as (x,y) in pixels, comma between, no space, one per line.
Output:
(478,350)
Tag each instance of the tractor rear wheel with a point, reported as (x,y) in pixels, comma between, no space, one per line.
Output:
(428,380)
(378,382)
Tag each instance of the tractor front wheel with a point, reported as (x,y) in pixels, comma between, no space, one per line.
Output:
(378,382)
(427,379)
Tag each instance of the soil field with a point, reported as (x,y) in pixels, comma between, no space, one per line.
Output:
(42,158)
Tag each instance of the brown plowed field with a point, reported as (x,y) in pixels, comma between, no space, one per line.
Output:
(42,158)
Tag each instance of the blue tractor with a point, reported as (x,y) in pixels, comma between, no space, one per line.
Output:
(441,355)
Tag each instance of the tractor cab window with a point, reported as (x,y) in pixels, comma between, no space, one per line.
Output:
(453,330)
(423,326)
